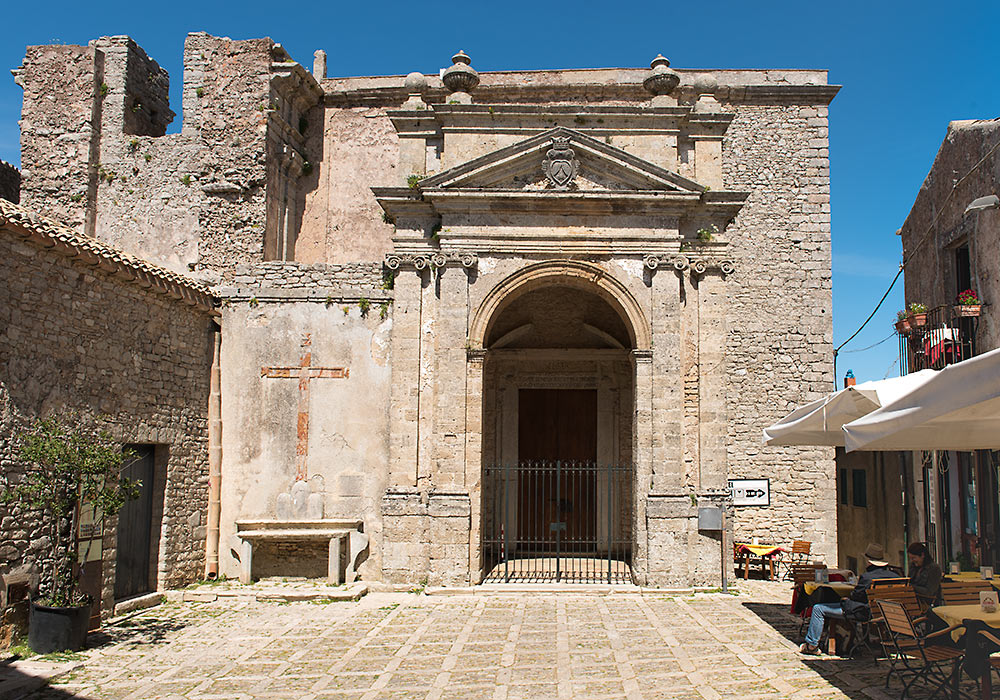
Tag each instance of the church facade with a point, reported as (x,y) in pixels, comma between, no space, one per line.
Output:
(426,283)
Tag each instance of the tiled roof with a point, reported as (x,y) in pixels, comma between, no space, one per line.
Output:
(49,234)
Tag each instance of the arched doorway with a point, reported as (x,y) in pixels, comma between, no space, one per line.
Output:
(558,404)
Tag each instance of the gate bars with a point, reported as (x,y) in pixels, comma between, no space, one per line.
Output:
(557,521)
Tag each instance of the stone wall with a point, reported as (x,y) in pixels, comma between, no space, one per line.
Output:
(780,348)
(10,182)
(966,167)
(347,425)
(81,338)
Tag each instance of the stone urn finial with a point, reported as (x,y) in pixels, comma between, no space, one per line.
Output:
(460,78)
(415,84)
(705,87)
(661,79)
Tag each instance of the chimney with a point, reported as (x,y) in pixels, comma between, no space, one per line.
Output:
(849,379)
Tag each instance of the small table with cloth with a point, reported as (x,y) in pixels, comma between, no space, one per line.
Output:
(765,552)
(977,648)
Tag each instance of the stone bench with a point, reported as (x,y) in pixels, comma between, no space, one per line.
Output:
(342,535)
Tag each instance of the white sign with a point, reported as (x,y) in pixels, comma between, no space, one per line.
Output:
(750,492)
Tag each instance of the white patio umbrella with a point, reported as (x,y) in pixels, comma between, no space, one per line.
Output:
(821,422)
(958,409)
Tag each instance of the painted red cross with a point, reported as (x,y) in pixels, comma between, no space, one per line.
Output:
(304,372)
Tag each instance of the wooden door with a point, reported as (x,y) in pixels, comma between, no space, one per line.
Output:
(135,528)
(557,425)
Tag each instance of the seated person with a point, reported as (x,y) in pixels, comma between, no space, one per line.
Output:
(925,574)
(856,606)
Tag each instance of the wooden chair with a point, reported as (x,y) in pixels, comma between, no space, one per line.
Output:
(963,592)
(803,573)
(798,555)
(896,590)
(915,658)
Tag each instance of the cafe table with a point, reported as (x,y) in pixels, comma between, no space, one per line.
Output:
(977,649)
(765,552)
(808,593)
(971,576)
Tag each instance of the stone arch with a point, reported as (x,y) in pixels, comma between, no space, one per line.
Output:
(570,273)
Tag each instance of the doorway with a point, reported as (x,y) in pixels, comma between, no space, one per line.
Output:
(557,425)
(135,528)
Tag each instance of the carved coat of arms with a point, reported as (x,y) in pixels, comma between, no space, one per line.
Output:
(560,164)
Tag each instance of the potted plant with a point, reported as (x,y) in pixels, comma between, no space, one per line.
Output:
(968,304)
(902,322)
(917,315)
(65,465)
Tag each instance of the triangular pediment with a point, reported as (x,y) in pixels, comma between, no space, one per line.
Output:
(561,159)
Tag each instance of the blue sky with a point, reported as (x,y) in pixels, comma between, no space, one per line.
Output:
(907,68)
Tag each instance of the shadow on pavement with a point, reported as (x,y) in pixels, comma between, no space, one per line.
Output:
(138,631)
(861,678)
(24,679)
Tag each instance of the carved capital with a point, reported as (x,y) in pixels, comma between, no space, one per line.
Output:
(434,261)
(475,356)
(697,263)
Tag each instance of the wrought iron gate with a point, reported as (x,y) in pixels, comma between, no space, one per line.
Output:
(557,521)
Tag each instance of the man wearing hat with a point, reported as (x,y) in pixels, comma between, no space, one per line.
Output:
(856,606)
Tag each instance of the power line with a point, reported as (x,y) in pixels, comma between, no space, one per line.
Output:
(888,337)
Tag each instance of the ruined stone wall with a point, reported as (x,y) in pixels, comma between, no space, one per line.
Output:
(95,154)
(77,338)
(63,88)
(779,353)
(10,182)
(966,167)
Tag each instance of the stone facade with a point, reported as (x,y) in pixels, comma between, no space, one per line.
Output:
(966,168)
(951,242)
(439,244)
(125,345)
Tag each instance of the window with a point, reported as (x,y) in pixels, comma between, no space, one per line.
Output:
(843,487)
(860,490)
(963,269)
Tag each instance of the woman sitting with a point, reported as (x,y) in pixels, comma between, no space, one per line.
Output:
(925,574)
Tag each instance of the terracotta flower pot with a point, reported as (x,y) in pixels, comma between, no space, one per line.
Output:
(967,310)
(917,320)
(903,326)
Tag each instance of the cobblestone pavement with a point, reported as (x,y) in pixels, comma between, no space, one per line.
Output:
(499,647)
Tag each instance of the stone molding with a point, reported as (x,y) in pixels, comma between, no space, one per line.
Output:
(697,263)
(433,261)
(48,234)
(572,273)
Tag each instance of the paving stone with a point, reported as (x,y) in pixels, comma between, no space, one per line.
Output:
(463,648)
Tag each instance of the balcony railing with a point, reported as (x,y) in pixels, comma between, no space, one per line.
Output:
(946,337)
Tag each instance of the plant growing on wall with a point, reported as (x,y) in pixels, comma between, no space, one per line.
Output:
(67,464)
(364,305)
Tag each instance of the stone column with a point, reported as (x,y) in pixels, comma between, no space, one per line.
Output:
(667,401)
(405,394)
(713,413)
(642,456)
(474,457)
(448,470)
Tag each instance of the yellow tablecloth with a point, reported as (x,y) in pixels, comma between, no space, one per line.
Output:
(972,576)
(840,588)
(954,614)
(759,550)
